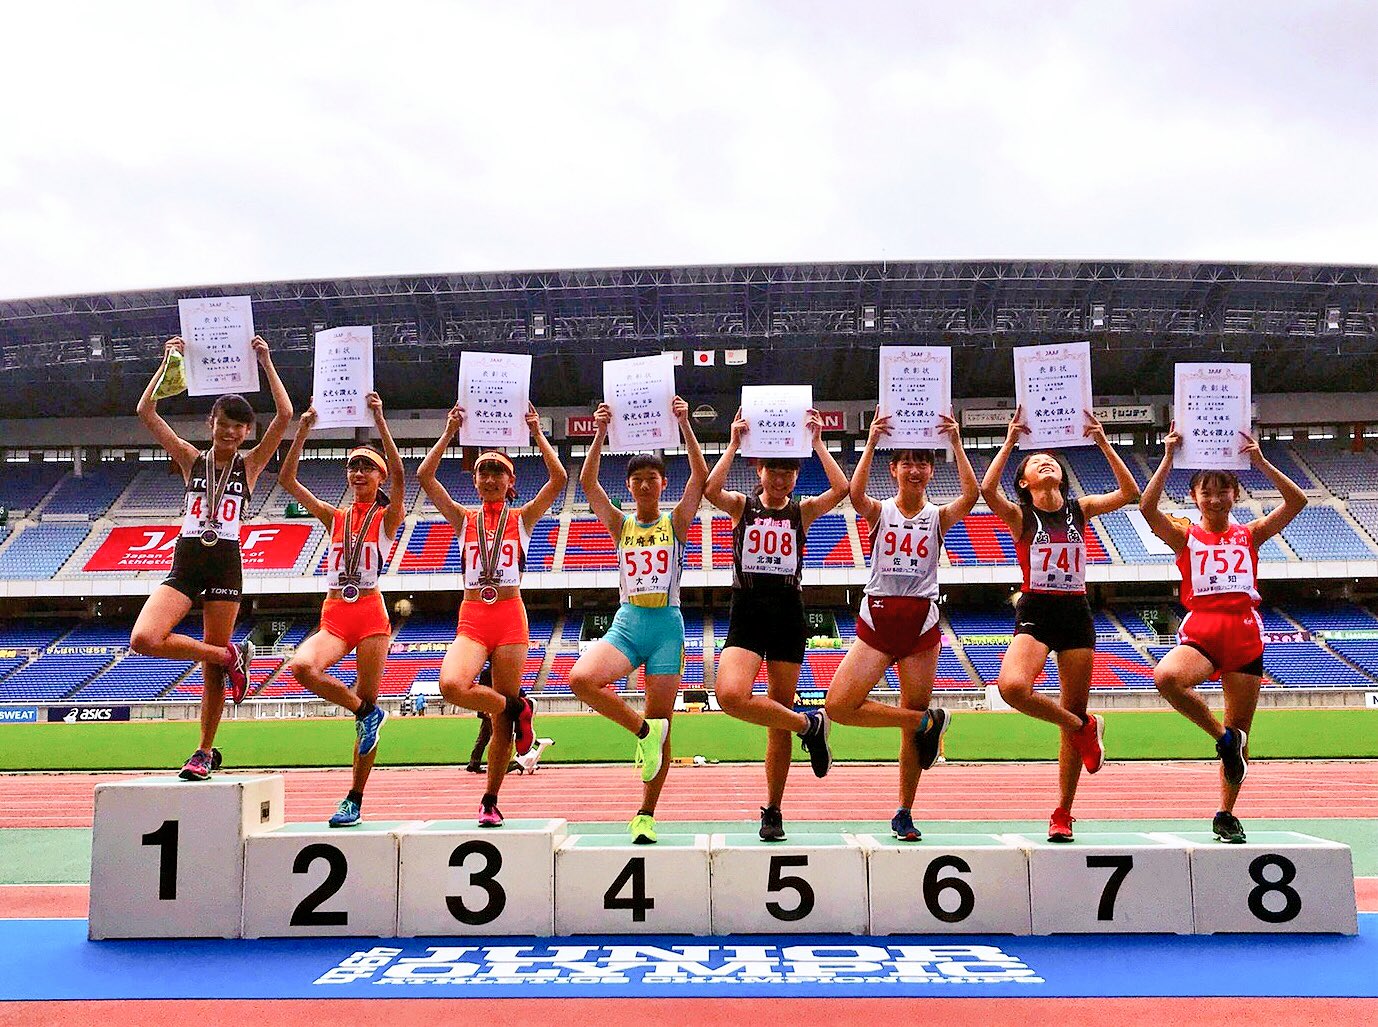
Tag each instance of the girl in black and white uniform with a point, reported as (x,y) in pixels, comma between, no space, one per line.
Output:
(206,562)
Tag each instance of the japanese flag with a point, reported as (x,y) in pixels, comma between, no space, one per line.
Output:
(704,357)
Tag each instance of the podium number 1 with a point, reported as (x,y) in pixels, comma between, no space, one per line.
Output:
(165,839)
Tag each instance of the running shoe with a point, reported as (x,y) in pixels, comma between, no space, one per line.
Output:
(474,767)
(1227,828)
(902,826)
(1060,825)
(523,735)
(347,814)
(1230,748)
(237,673)
(815,742)
(1087,741)
(772,824)
(198,767)
(930,736)
(217,759)
(366,729)
(650,751)
(489,816)
(643,829)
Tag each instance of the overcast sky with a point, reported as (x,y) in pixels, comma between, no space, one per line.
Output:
(149,144)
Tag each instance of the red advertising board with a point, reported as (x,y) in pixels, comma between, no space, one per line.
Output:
(833,420)
(582,426)
(148,547)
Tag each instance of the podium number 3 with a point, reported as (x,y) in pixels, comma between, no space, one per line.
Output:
(165,840)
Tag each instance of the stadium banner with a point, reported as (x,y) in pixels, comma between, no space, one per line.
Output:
(494,390)
(581,426)
(734,357)
(1211,405)
(1269,637)
(1053,385)
(85,650)
(343,377)
(915,388)
(218,332)
(86,714)
(399,648)
(1119,414)
(833,420)
(639,391)
(987,639)
(775,416)
(1349,633)
(18,714)
(148,547)
(1371,700)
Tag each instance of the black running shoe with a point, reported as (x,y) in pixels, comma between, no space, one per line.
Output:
(1230,749)
(474,767)
(930,738)
(772,824)
(217,759)
(1228,828)
(815,742)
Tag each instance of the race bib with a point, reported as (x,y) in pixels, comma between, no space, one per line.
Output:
(1217,569)
(769,549)
(367,569)
(509,564)
(646,570)
(1057,567)
(902,551)
(227,515)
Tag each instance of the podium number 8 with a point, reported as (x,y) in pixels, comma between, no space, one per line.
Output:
(1287,873)
(485,877)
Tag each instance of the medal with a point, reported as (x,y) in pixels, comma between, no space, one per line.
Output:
(215,492)
(488,570)
(351,546)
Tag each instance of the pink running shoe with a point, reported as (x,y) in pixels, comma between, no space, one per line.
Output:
(1088,743)
(237,673)
(489,816)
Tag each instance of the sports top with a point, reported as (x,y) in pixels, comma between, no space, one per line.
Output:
(904,552)
(371,555)
(1219,570)
(230,511)
(768,547)
(649,562)
(512,554)
(1052,549)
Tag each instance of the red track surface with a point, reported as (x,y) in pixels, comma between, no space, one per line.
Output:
(850,792)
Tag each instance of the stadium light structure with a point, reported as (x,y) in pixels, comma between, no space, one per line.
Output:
(539,326)
(1098,315)
(869,317)
(97,345)
(1333,321)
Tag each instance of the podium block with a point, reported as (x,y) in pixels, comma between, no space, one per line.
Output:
(1108,884)
(167,856)
(947,884)
(1277,882)
(606,885)
(309,880)
(460,879)
(812,884)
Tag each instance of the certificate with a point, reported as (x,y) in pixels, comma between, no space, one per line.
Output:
(915,387)
(1211,405)
(494,389)
(1053,385)
(219,332)
(640,391)
(775,416)
(344,376)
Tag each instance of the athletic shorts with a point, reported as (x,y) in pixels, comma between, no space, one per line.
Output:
(492,625)
(1059,622)
(898,626)
(354,622)
(1233,642)
(770,624)
(215,572)
(650,635)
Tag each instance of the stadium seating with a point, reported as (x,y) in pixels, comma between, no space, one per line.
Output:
(1344,472)
(828,544)
(23,484)
(92,493)
(1306,663)
(40,550)
(1366,513)
(1332,617)
(1127,541)
(1363,652)
(589,546)
(53,676)
(432,549)
(1321,533)
(158,488)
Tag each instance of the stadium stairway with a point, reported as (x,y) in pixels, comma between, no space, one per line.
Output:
(955,644)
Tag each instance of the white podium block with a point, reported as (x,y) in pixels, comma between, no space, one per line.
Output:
(606,885)
(460,879)
(309,880)
(1108,884)
(948,884)
(167,856)
(812,884)
(1277,882)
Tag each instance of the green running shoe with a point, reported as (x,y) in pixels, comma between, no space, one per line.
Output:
(650,751)
(643,828)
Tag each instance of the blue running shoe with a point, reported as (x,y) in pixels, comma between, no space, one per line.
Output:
(347,814)
(902,827)
(1230,749)
(930,736)
(366,729)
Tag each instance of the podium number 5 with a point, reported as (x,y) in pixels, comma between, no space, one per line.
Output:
(165,840)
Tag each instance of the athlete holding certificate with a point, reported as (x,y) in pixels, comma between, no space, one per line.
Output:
(1221,635)
(354,617)
(492,617)
(206,562)
(767,623)
(1053,614)
(648,629)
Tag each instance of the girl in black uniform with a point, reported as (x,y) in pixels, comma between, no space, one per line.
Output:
(206,562)
(767,622)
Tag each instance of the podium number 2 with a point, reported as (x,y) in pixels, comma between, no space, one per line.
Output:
(165,839)
(307,913)
(1120,865)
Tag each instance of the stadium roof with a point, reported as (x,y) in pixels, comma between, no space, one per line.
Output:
(1304,327)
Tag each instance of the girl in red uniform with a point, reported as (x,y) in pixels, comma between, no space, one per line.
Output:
(1053,615)
(354,617)
(1221,635)
(492,617)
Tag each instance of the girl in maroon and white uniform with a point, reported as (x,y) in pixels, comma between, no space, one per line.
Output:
(1221,635)
(1052,614)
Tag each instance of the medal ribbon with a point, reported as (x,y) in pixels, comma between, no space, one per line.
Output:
(488,567)
(350,546)
(215,487)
